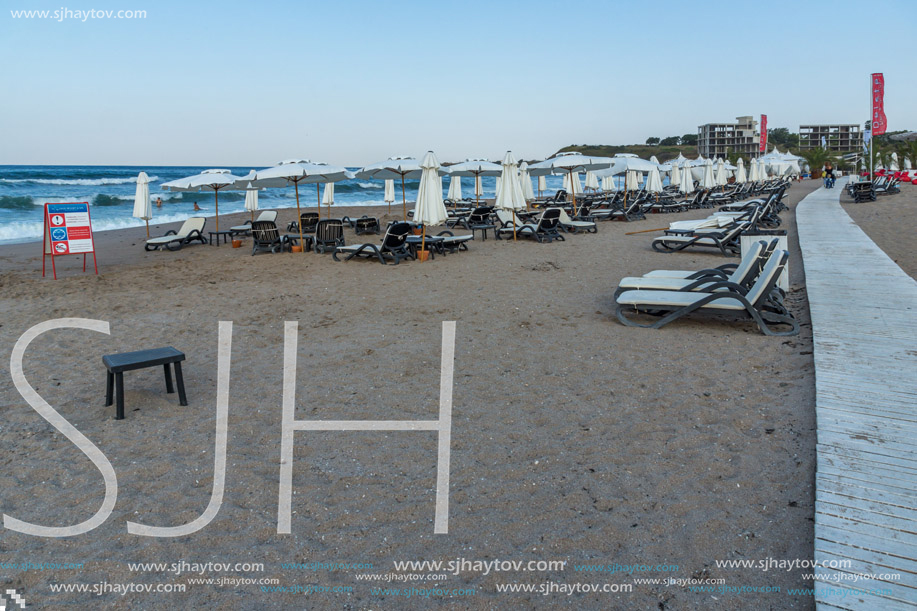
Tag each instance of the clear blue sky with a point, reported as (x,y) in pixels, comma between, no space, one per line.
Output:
(249,84)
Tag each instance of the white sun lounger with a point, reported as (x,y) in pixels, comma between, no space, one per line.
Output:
(191,230)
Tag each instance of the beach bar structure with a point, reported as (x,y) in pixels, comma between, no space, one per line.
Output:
(719,139)
(838,138)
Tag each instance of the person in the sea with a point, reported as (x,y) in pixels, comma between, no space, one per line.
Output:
(196,207)
(159,202)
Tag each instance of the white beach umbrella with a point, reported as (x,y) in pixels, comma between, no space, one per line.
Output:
(455,188)
(525,180)
(300,171)
(476,168)
(499,182)
(572,162)
(576,184)
(429,210)
(630,181)
(143,209)
(675,176)
(708,181)
(509,194)
(251,199)
(542,184)
(740,172)
(328,196)
(720,178)
(393,168)
(592,181)
(754,174)
(608,184)
(654,182)
(389,196)
(907,163)
(687,181)
(893,164)
(208,180)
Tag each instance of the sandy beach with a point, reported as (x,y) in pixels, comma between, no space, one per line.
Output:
(574,438)
(882,221)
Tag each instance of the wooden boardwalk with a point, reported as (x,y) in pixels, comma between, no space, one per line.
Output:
(864,321)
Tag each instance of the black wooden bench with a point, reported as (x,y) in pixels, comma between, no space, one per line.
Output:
(117,364)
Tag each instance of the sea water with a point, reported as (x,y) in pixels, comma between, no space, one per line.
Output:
(110,192)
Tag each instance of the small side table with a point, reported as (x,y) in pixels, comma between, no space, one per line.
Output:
(117,364)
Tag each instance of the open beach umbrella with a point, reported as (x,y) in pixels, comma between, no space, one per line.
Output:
(526,182)
(572,162)
(251,199)
(143,209)
(740,172)
(300,171)
(509,195)
(708,181)
(429,210)
(476,168)
(389,193)
(455,188)
(397,167)
(328,196)
(208,180)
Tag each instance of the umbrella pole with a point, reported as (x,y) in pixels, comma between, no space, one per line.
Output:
(573,190)
(216,200)
(423,241)
(147,221)
(514,224)
(299,216)
(318,198)
(404,200)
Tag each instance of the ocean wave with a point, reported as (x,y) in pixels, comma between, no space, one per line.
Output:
(81,182)
(30,231)
(16,202)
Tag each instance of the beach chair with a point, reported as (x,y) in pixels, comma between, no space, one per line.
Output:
(246,227)
(756,304)
(366,224)
(720,270)
(308,221)
(478,220)
(569,225)
(454,243)
(726,239)
(394,246)
(191,230)
(266,236)
(545,228)
(740,279)
(329,234)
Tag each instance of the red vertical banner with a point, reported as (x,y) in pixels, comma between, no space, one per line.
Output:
(763,147)
(879,122)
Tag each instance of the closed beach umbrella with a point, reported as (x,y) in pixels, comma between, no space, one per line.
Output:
(721,179)
(143,209)
(208,180)
(476,168)
(592,181)
(752,170)
(526,182)
(300,171)
(572,162)
(577,185)
(429,210)
(455,188)
(687,181)
(328,196)
(654,182)
(708,181)
(740,172)
(389,193)
(675,177)
(251,199)
(608,184)
(509,195)
(630,181)
(542,184)
(499,182)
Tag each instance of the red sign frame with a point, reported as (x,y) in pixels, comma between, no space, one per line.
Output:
(59,233)
(879,121)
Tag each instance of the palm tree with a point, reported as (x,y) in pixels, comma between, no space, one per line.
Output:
(818,158)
